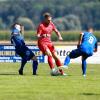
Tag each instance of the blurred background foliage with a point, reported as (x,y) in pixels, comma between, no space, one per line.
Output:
(67,14)
(31,35)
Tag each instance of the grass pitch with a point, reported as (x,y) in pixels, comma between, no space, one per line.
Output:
(46,87)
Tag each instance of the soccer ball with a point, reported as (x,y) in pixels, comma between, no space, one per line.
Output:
(55,72)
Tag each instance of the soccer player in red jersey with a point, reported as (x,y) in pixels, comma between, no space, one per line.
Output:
(44,32)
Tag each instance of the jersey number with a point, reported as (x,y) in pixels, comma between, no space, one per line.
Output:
(91,39)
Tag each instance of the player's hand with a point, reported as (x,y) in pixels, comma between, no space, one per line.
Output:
(78,46)
(38,35)
(95,50)
(60,38)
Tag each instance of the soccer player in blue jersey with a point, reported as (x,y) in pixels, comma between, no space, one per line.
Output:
(87,44)
(21,49)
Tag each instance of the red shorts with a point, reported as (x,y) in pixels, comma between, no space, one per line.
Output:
(45,44)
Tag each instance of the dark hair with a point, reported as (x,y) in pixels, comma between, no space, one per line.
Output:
(89,27)
(45,15)
(15,24)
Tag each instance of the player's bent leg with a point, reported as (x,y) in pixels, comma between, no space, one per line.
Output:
(56,58)
(50,62)
(45,50)
(54,71)
(58,63)
(48,52)
(34,65)
(23,62)
(50,58)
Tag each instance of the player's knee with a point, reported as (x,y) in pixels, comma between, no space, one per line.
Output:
(71,55)
(34,58)
(48,53)
(55,56)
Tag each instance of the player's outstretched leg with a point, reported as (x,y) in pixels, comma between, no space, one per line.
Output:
(35,66)
(67,61)
(23,62)
(73,54)
(50,62)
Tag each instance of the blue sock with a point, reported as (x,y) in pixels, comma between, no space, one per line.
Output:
(67,60)
(23,62)
(35,65)
(84,66)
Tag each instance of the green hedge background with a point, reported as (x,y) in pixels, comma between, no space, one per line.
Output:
(31,35)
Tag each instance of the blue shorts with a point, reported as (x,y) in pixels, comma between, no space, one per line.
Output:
(25,52)
(77,53)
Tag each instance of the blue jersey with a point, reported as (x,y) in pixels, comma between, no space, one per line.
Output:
(21,49)
(17,39)
(89,43)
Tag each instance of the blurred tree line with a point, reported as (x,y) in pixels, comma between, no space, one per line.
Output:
(67,14)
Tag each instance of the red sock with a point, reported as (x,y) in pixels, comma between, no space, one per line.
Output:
(58,63)
(50,61)
(61,71)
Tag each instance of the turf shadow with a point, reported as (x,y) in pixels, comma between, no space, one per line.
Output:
(8,74)
(89,94)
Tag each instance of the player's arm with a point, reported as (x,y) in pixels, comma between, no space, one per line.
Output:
(58,33)
(39,31)
(80,39)
(96,47)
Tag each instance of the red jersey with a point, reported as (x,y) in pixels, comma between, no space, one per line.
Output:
(45,30)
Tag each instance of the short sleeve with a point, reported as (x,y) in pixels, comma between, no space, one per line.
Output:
(82,33)
(39,29)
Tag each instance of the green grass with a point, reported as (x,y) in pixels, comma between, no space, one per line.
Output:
(46,87)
